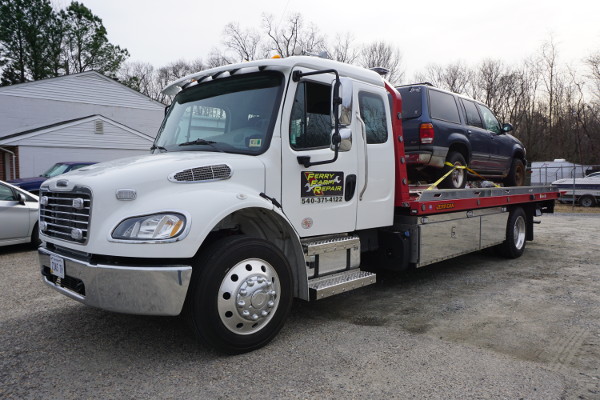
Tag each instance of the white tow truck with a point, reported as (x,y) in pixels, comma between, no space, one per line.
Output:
(268,181)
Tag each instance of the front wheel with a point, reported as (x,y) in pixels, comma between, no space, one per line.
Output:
(240,295)
(516,175)
(516,235)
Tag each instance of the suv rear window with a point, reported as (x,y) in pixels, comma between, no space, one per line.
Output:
(442,106)
(411,102)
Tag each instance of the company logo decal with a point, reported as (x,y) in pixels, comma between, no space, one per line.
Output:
(445,206)
(321,186)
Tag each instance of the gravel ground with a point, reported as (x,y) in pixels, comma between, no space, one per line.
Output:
(476,327)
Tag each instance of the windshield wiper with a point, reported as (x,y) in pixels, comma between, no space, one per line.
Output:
(202,142)
(162,149)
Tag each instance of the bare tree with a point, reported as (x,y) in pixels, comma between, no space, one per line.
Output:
(593,62)
(294,38)
(455,77)
(382,54)
(343,49)
(244,43)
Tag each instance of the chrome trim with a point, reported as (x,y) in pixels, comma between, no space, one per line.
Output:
(186,229)
(363,130)
(151,290)
(206,173)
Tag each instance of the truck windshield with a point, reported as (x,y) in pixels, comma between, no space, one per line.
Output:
(233,115)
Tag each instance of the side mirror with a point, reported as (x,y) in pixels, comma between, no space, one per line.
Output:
(506,128)
(345,140)
(343,109)
(22,199)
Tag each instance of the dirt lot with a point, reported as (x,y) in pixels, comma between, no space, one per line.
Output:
(474,327)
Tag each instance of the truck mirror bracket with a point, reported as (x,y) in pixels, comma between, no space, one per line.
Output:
(337,100)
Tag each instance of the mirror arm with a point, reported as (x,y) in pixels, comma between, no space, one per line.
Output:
(337,100)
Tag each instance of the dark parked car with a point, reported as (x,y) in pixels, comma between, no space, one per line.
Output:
(33,184)
(440,126)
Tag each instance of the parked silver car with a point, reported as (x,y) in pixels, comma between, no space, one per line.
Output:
(18,216)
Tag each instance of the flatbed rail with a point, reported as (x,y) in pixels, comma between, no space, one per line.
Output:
(425,202)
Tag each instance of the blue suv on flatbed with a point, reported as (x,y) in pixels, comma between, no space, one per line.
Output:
(441,126)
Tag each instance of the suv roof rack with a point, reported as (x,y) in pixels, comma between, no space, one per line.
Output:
(420,83)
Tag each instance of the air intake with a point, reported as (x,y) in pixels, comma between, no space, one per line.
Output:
(202,174)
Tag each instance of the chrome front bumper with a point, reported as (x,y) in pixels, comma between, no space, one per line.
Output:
(152,290)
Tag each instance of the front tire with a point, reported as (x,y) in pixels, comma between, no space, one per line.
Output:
(516,175)
(240,295)
(516,235)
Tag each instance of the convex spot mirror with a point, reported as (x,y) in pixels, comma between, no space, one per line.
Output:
(345,140)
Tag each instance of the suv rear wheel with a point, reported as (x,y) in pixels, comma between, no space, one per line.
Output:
(458,178)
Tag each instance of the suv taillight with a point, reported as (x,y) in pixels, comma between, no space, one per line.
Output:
(426,133)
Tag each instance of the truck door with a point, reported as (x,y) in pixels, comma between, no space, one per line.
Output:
(319,199)
(375,189)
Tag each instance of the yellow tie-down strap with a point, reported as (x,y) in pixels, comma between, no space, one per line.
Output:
(434,185)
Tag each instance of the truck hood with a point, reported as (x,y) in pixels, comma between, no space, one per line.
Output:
(151,172)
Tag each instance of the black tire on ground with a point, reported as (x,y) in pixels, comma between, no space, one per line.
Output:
(587,201)
(240,294)
(35,237)
(516,235)
(458,178)
(516,175)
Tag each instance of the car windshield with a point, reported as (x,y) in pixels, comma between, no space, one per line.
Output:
(56,169)
(235,115)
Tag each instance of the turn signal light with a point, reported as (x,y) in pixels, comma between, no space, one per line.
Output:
(426,133)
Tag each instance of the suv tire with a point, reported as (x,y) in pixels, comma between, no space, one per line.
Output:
(516,175)
(458,178)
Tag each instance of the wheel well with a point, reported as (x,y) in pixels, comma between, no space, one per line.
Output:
(462,149)
(268,225)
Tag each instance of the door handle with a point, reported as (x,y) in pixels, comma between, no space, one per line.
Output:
(350,187)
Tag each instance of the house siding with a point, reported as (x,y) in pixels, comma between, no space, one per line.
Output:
(36,160)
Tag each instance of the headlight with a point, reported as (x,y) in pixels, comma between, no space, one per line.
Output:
(151,227)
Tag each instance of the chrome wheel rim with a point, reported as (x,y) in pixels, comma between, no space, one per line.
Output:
(458,176)
(248,296)
(519,232)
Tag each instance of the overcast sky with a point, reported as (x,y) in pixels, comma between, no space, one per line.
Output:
(159,31)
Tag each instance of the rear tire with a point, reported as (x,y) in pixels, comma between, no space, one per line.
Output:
(240,294)
(458,178)
(516,235)
(516,175)
(587,201)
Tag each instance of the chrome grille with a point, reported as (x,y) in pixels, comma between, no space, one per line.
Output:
(202,174)
(65,215)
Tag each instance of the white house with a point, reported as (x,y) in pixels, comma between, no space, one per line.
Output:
(80,117)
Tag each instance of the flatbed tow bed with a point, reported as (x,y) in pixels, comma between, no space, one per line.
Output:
(427,202)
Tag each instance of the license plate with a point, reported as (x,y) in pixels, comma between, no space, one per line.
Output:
(57,266)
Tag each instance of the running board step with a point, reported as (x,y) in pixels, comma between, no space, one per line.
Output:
(326,286)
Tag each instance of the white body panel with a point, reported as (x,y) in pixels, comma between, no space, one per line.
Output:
(205,203)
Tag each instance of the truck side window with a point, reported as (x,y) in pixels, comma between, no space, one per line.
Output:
(473,117)
(310,122)
(372,111)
